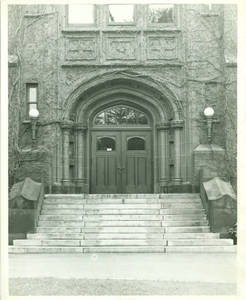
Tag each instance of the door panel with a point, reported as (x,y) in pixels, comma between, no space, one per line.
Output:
(105,156)
(121,162)
(137,160)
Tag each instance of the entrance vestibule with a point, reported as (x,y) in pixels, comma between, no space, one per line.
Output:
(125,140)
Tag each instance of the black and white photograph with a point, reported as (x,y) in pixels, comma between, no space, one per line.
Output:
(120,149)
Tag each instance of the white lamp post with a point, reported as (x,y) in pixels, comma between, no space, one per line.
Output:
(208,113)
(33,114)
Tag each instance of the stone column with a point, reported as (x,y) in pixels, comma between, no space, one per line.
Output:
(81,134)
(163,161)
(177,125)
(66,127)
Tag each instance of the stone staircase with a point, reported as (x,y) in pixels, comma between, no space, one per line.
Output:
(122,223)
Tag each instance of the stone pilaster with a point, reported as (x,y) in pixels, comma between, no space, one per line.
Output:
(66,127)
(177,125)
(163,156)
(81,163)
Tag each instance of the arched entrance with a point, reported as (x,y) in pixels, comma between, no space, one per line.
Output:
(126,136)
(121,151)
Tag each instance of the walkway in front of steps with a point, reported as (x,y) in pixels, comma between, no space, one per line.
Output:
(191,267)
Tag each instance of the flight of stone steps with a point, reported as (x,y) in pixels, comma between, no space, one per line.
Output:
(122,223)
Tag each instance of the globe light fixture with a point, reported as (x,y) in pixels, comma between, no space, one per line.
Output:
(208,112)
(33,114)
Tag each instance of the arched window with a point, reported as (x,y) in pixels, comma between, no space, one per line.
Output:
(120,115)
(106,144)
(136,143)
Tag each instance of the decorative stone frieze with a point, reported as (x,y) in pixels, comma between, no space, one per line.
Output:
(120,48)
(81,48)
(159,47)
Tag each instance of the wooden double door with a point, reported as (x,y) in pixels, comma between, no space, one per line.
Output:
(121,161)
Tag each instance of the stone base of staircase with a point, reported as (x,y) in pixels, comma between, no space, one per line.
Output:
(142,223)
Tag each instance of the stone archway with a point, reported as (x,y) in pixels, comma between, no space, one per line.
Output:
(166,126)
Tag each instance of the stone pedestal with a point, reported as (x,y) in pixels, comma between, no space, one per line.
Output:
(208,162)
(36,164)
(220,203)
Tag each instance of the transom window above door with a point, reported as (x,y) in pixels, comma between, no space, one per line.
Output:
(121,13)
(80,14)
(120,115)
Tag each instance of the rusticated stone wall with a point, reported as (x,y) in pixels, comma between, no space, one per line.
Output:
(188,57)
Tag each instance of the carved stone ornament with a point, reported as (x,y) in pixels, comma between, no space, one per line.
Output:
(121,48)
(161,47)
(81,48)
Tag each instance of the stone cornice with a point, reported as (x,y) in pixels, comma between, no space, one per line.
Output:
(163,126)
(80,127)
(177,124)
(67,125)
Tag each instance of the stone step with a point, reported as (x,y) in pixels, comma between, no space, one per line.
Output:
(65,196)
(63,206)
(180,206)
(122,249)
(182,211)
(57,223)
(123,206)
(123,235)
(179,195)
(36,242)
(108,229)
(55,236)
(200,249)
(94,236)
(118,201)
(61,218)
(191,235)
(123,212)
(187,229)
(125,249)
(181,217)
(96,218)
(173,206)
(124,242)
(42,249)
(185,223)
(121,196)
(143,217)
(76,201)
(85,243)
(199,242)
(47,229)
(122,223)
(101,212)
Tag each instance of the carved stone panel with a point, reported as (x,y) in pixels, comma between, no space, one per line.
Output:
(161,47)
(81,48)
(120,48)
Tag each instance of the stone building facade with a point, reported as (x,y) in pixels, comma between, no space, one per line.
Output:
(121,103)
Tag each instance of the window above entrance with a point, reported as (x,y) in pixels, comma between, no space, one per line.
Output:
(120,115)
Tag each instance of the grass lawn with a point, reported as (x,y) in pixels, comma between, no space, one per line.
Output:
(86,287)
